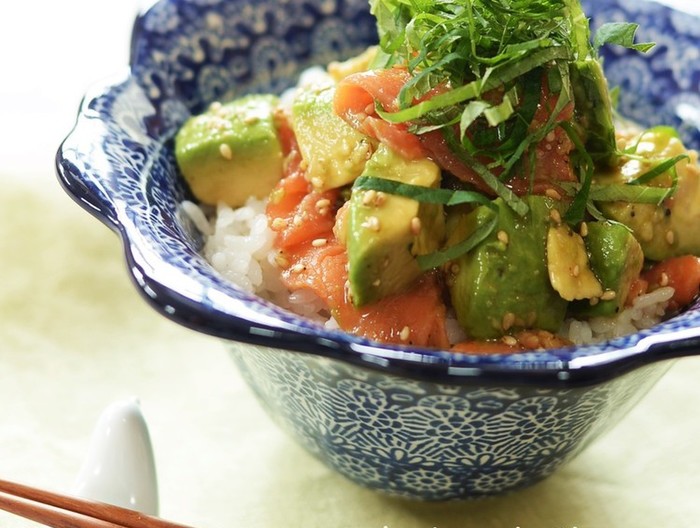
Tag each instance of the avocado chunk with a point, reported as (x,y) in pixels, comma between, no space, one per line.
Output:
(568,265)
(338,70)
(334,153)
(670,229)
(617,259)
(385,232)
(231,151)
(502,285)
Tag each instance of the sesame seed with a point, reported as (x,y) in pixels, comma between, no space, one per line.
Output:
(405,333)
(503,237)
(555,216)
(278,224)
(530,340)
(551,136)
(298,268)
(508,321)
(323,203)
(372,223)
(369,196)
(281,260)
(319,242)
(608,295)
(509,340)
(663,280)
(303,165)
(584,229)
(553,194)
(670,236)
(317,182)
(251,120)
(576,271)
(297,220)
(416,226)
(376,282)
(380,198)
(593,301)
(225,151)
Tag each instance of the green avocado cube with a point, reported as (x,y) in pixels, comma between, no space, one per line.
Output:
(502,285)
(617,259)
(334,152)
(672,228)
(385,232)
(232,151)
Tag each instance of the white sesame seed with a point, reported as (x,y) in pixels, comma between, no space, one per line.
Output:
(372,223)
(553,194)
(323,203)
(278,224)
(380,198)
(509,340)
(508,321)
(405,333)
(503,237)
(319,242)
(584,229)
(298,268)
(376,282)
(416,226)
(576,271)
(225,151)
(670,236)
(663,280)
(281,260)
(608,295)
(555,216)
(369,196)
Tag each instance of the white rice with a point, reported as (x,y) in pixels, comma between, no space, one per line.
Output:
(646,311)
(239,245)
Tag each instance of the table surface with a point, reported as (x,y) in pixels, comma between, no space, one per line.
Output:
(76,337)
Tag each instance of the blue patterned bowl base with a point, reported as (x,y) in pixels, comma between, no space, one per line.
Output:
(429,441)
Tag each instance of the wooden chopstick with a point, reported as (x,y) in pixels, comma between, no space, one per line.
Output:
(64,511)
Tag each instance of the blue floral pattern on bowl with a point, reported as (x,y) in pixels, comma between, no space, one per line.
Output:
(410,422)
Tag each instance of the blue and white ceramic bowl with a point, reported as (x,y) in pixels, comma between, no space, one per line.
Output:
(409,422)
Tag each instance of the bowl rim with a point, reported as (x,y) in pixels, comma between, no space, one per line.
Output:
(564,367)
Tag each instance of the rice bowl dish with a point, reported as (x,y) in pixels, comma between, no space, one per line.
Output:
(410,421)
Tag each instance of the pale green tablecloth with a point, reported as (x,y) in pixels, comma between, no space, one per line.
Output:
(76,336)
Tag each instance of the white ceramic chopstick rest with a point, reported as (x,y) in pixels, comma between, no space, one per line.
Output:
(119,467)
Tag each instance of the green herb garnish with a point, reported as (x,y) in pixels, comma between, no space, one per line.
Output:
(482,66)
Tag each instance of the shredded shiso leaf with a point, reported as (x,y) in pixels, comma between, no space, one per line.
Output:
(479,64)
